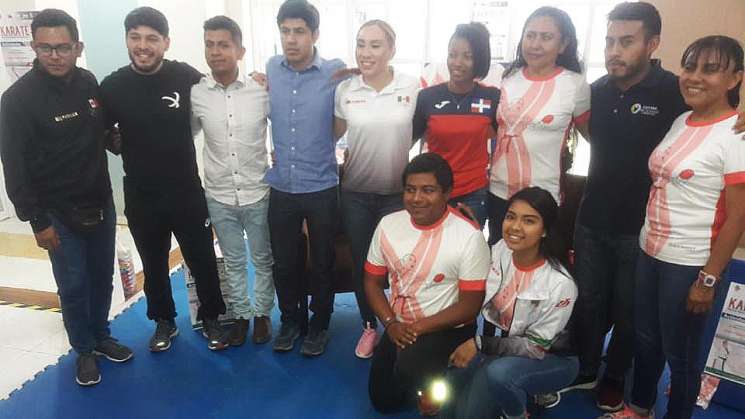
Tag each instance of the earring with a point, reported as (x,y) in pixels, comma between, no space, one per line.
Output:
(544,235)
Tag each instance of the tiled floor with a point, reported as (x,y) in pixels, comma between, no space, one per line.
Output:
(31,339)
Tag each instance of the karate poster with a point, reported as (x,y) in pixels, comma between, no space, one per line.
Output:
(15,42)
(727,354)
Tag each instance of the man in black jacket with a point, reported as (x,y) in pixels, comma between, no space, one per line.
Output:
(53,155)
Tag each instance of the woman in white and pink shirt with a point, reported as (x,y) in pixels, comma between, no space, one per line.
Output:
(695,217)
(544,94)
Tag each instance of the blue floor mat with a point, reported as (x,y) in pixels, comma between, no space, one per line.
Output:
(251,381)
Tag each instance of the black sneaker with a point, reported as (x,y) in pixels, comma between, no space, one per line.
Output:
(165,330)
(217,337)
(315,343)
(547,400)
(238,332)
(87,373)
(582,382)
(288,334)
(112,350)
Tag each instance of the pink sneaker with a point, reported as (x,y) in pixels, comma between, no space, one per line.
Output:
(626,413)
(366,343)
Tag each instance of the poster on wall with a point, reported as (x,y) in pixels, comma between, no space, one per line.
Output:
(727,354)
(15,42)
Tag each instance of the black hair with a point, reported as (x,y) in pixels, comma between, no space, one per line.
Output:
(430,163)
(727,50)
(642,11)
(552,247)
(225,23)
(50,18)
(299,9)
(146,16)
(477,36)
(567,59)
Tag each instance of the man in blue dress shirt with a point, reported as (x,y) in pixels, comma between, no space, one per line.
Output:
(304,177)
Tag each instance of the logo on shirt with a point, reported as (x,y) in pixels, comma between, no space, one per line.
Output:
(547,119)
(93,103)
(563,303)
(173,101)
(649,110)
(686,174)
(207,222)
(481,106)
(438,278)
(348,101)
(404,99)
(404,265)
(66,116)
(441,104)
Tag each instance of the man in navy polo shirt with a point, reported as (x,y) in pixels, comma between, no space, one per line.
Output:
(633,107)
(304,177)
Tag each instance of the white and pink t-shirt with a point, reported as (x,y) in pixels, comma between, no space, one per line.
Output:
(427,266)
(534,118)
(690,169)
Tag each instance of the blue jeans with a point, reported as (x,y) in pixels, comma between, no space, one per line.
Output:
(605,269)
(230,221)
(493,386)
(361,213)
(83,267)
(666,331)
(477,201)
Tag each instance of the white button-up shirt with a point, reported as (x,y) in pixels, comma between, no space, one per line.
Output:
(234,120)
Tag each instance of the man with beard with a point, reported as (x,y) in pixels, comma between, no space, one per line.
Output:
(633,107)
(149,99)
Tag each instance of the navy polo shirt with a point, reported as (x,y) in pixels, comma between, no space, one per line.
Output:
(625,127)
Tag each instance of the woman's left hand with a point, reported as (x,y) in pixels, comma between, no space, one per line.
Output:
(463,354)
(700,298)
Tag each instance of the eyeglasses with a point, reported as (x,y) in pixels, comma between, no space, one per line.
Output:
(63,50)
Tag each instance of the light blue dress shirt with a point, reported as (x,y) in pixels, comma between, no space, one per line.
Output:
(302,115)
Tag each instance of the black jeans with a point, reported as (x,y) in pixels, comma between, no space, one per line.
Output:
(395,376)
(605,268)
(286,214)
(361,213)
(152,217)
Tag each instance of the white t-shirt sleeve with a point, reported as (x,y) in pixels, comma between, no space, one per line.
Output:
(581,100)
(375,263)
(474,265)
(734,161)
(555,318)
(339,110)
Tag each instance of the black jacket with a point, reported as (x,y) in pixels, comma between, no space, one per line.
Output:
(52,144)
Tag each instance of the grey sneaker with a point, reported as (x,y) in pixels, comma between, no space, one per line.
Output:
(165,330)
(112,350)
(288,334)
(217,337)
(315,343)
(87,373)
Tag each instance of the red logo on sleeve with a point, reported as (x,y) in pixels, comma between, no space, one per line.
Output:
(438,278)
(563,303)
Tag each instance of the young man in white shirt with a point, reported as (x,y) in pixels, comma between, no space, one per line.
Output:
(232,110)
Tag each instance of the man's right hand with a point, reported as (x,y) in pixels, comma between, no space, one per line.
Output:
(401,334)
(47,239)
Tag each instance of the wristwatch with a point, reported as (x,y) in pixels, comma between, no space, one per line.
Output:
(706,279)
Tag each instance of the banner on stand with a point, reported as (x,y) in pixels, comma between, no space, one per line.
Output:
(727,354)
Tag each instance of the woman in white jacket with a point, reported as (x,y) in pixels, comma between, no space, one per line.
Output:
(529,296)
